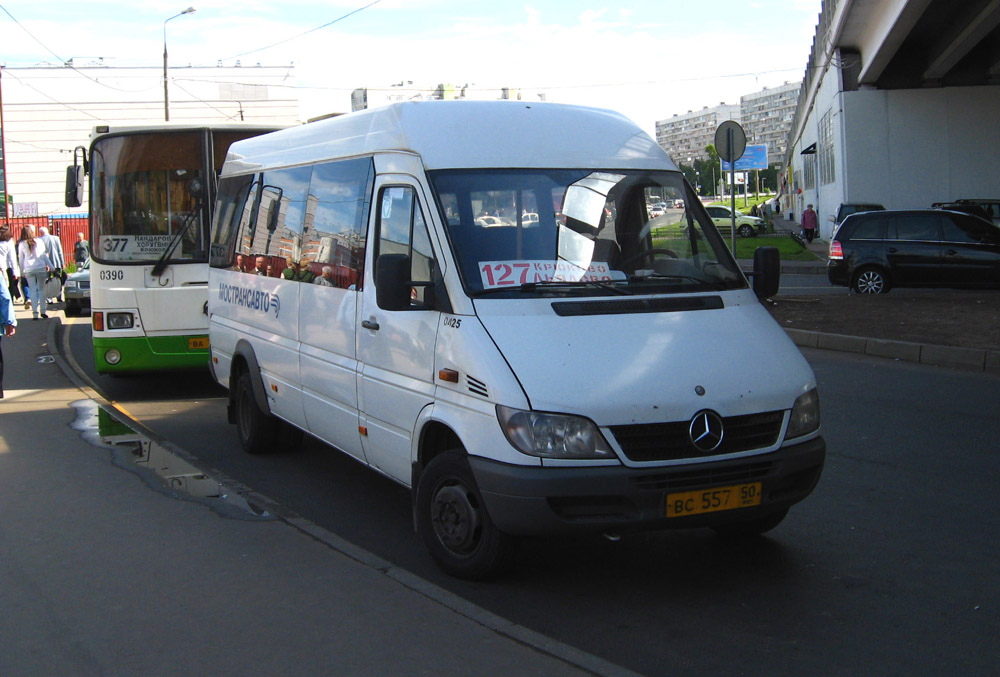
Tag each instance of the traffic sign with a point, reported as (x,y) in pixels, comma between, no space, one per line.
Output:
(730,141)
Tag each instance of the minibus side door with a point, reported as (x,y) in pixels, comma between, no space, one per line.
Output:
(396,347)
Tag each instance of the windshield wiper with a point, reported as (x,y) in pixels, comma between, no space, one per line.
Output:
(689,278)
(195,189)
(555,284)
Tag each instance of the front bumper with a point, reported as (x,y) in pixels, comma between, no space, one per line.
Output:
(532,500)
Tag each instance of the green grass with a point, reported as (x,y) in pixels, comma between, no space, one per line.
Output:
(788,249)
(671,236)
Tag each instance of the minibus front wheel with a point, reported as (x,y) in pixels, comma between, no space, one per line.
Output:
(453,521)
(257,430)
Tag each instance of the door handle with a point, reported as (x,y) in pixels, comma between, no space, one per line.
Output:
(370,324)
(893,250)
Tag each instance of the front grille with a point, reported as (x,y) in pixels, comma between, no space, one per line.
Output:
(680,478)
(671,441)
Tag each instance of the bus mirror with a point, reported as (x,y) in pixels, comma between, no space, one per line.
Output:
(766,272)
(74,186)
(392,281)
(196,189)
(74,177)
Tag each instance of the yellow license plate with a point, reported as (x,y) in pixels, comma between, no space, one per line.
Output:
(713,500)
(200,343)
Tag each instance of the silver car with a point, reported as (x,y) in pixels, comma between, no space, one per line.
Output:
(76,290)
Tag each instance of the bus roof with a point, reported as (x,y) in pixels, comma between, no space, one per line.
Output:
(462,134)
(104,130)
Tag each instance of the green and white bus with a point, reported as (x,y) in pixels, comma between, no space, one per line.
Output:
(152,189)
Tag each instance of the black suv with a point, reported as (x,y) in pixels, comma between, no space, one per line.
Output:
(874,251)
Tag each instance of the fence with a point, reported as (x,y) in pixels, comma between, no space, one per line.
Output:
(65,228)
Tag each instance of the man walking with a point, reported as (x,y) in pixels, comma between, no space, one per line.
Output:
(81,250)
(57,261)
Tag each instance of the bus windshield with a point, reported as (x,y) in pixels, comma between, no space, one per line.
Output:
(141,202)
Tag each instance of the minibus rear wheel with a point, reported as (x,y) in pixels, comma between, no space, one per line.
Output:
(257,430)
(453,521)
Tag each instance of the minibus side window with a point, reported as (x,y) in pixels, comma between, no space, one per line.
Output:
(339,201)
(402,230)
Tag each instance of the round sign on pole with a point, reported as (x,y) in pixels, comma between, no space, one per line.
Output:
(730,147)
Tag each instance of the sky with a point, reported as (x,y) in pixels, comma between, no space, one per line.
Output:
(648,59)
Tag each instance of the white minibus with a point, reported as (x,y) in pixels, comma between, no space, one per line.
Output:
(569,364)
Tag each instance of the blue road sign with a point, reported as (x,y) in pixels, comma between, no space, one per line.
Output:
(755,157)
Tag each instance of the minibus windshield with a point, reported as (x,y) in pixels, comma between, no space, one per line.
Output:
(521,231)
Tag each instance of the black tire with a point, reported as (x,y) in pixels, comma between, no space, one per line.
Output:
(746,231)
(453,522)
(870,280)
(257,430)
(749,528)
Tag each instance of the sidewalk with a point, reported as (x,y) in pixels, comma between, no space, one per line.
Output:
(100,574)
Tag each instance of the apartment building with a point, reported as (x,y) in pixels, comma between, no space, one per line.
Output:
(767,117)
(685,137)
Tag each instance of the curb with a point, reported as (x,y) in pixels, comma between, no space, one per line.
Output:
(973,359)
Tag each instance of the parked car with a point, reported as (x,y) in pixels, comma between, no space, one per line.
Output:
(875,251)
(986,209)
(849,208)
(76,291)
(746,226)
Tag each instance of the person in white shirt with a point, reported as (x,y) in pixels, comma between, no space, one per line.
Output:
(53,246)
(8,262)
(34,261)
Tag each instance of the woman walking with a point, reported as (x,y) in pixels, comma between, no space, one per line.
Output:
(34,262)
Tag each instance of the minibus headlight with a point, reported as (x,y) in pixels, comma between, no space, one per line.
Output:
(552,435)
(120,321)
(805,415)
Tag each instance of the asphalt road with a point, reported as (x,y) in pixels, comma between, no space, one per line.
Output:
(888,568)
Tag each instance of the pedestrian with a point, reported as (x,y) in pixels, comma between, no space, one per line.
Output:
(57,262)
(34,262)
(8,262)
(81,250)
(26,231)
(8,321)
(809,223)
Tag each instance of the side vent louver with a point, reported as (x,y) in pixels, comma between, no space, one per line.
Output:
(476,387)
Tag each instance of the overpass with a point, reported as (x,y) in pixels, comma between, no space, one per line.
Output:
(897,95)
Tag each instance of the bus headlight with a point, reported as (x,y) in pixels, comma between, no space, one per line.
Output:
(552,435)
(120,321)
(805,415)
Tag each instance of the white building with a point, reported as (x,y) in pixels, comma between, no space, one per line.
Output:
(49,110)
(373,97)
(898,107)
(684,137)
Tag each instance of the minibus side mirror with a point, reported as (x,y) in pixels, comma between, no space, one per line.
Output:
(766,272)
(392,281)
(74,186)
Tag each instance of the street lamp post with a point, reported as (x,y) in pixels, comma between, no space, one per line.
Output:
(166,94)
